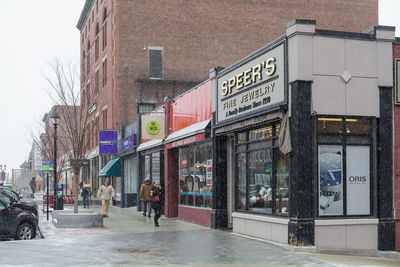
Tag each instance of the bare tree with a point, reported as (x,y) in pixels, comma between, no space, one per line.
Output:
(73,129)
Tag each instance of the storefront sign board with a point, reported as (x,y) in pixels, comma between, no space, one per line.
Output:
(256,85)
(108,142)
(186,141)
(153,126)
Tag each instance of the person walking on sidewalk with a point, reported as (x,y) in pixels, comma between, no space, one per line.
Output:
(145,196)
(105,193)
(32,185)
(86,193)
(157,202)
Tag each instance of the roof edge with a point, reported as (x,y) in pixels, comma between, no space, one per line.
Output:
(84,14)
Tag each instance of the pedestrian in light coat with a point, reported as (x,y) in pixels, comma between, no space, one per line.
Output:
(145,196)
(105,193)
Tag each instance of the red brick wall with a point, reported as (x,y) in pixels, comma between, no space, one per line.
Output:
(198,35)
(195,36)
(104,98)
(396,160)
(197,216)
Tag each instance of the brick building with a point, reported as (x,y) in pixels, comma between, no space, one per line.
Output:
(135,53)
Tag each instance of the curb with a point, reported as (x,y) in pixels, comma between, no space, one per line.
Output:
(313,249)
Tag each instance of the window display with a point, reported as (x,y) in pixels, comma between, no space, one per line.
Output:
(344,190)
(262,183)
(193,170)
(155,168)
(330,180)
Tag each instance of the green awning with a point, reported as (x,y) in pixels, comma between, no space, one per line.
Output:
(112,168)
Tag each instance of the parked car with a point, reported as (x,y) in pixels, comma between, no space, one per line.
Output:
(16,222)
(25,203)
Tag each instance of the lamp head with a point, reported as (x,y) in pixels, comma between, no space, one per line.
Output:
(55,118)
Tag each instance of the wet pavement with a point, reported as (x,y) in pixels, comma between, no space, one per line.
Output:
(130,239)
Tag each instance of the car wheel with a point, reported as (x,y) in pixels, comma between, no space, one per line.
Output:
(24,232)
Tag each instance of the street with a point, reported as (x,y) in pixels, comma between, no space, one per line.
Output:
(129,239)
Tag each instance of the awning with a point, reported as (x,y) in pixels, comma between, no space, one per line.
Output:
(188,131)
(112,168)
(150,144)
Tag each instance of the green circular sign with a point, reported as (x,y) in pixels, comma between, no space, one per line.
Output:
(153,127)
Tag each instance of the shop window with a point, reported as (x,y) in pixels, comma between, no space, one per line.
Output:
(344,172)
(147,169)
(262,173)
(195,175)
(156,168)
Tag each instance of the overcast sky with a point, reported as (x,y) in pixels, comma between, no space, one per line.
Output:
(33,32)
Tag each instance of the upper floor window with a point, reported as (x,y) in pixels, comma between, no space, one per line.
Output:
(96,82)
(96,48)
(105,28)
(155,56)
(104,72)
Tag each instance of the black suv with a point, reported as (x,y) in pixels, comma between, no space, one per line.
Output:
(24,203)
(16,222)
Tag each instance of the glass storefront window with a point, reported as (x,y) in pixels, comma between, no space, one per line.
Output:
(344,168)
(147,164)
(261,133)
(282,183)
(195,175)
(241,183)
(155,168)
(262,172)
(260,181)
(357,126)
(130,175)
(330,125)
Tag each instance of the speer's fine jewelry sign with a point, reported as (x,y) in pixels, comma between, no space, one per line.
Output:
(254,86)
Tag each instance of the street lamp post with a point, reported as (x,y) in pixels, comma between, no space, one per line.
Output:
(55,119)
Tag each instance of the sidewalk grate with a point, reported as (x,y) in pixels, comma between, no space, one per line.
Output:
(133,250)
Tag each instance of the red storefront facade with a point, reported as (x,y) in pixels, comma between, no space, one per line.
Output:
(187,156)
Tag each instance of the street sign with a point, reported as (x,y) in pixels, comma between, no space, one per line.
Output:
(47,165)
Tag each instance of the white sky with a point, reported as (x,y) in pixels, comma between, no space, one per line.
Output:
(32,33)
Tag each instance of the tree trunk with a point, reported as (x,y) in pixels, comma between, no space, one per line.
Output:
(76,189)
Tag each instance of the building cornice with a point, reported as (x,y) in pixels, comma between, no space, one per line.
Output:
(84,14)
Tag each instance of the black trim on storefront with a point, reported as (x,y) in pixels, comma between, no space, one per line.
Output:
(301,197)
(386,227)
(219,213)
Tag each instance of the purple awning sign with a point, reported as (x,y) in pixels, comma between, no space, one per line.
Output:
(127,143)
(108,142)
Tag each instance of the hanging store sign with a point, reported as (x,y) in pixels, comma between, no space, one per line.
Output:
(396,78)
(256,85)
(128,143)
(108,142)
(358,180)
(153,126)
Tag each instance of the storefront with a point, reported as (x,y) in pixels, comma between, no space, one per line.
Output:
(296,134)
(188,157)
(129,164)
